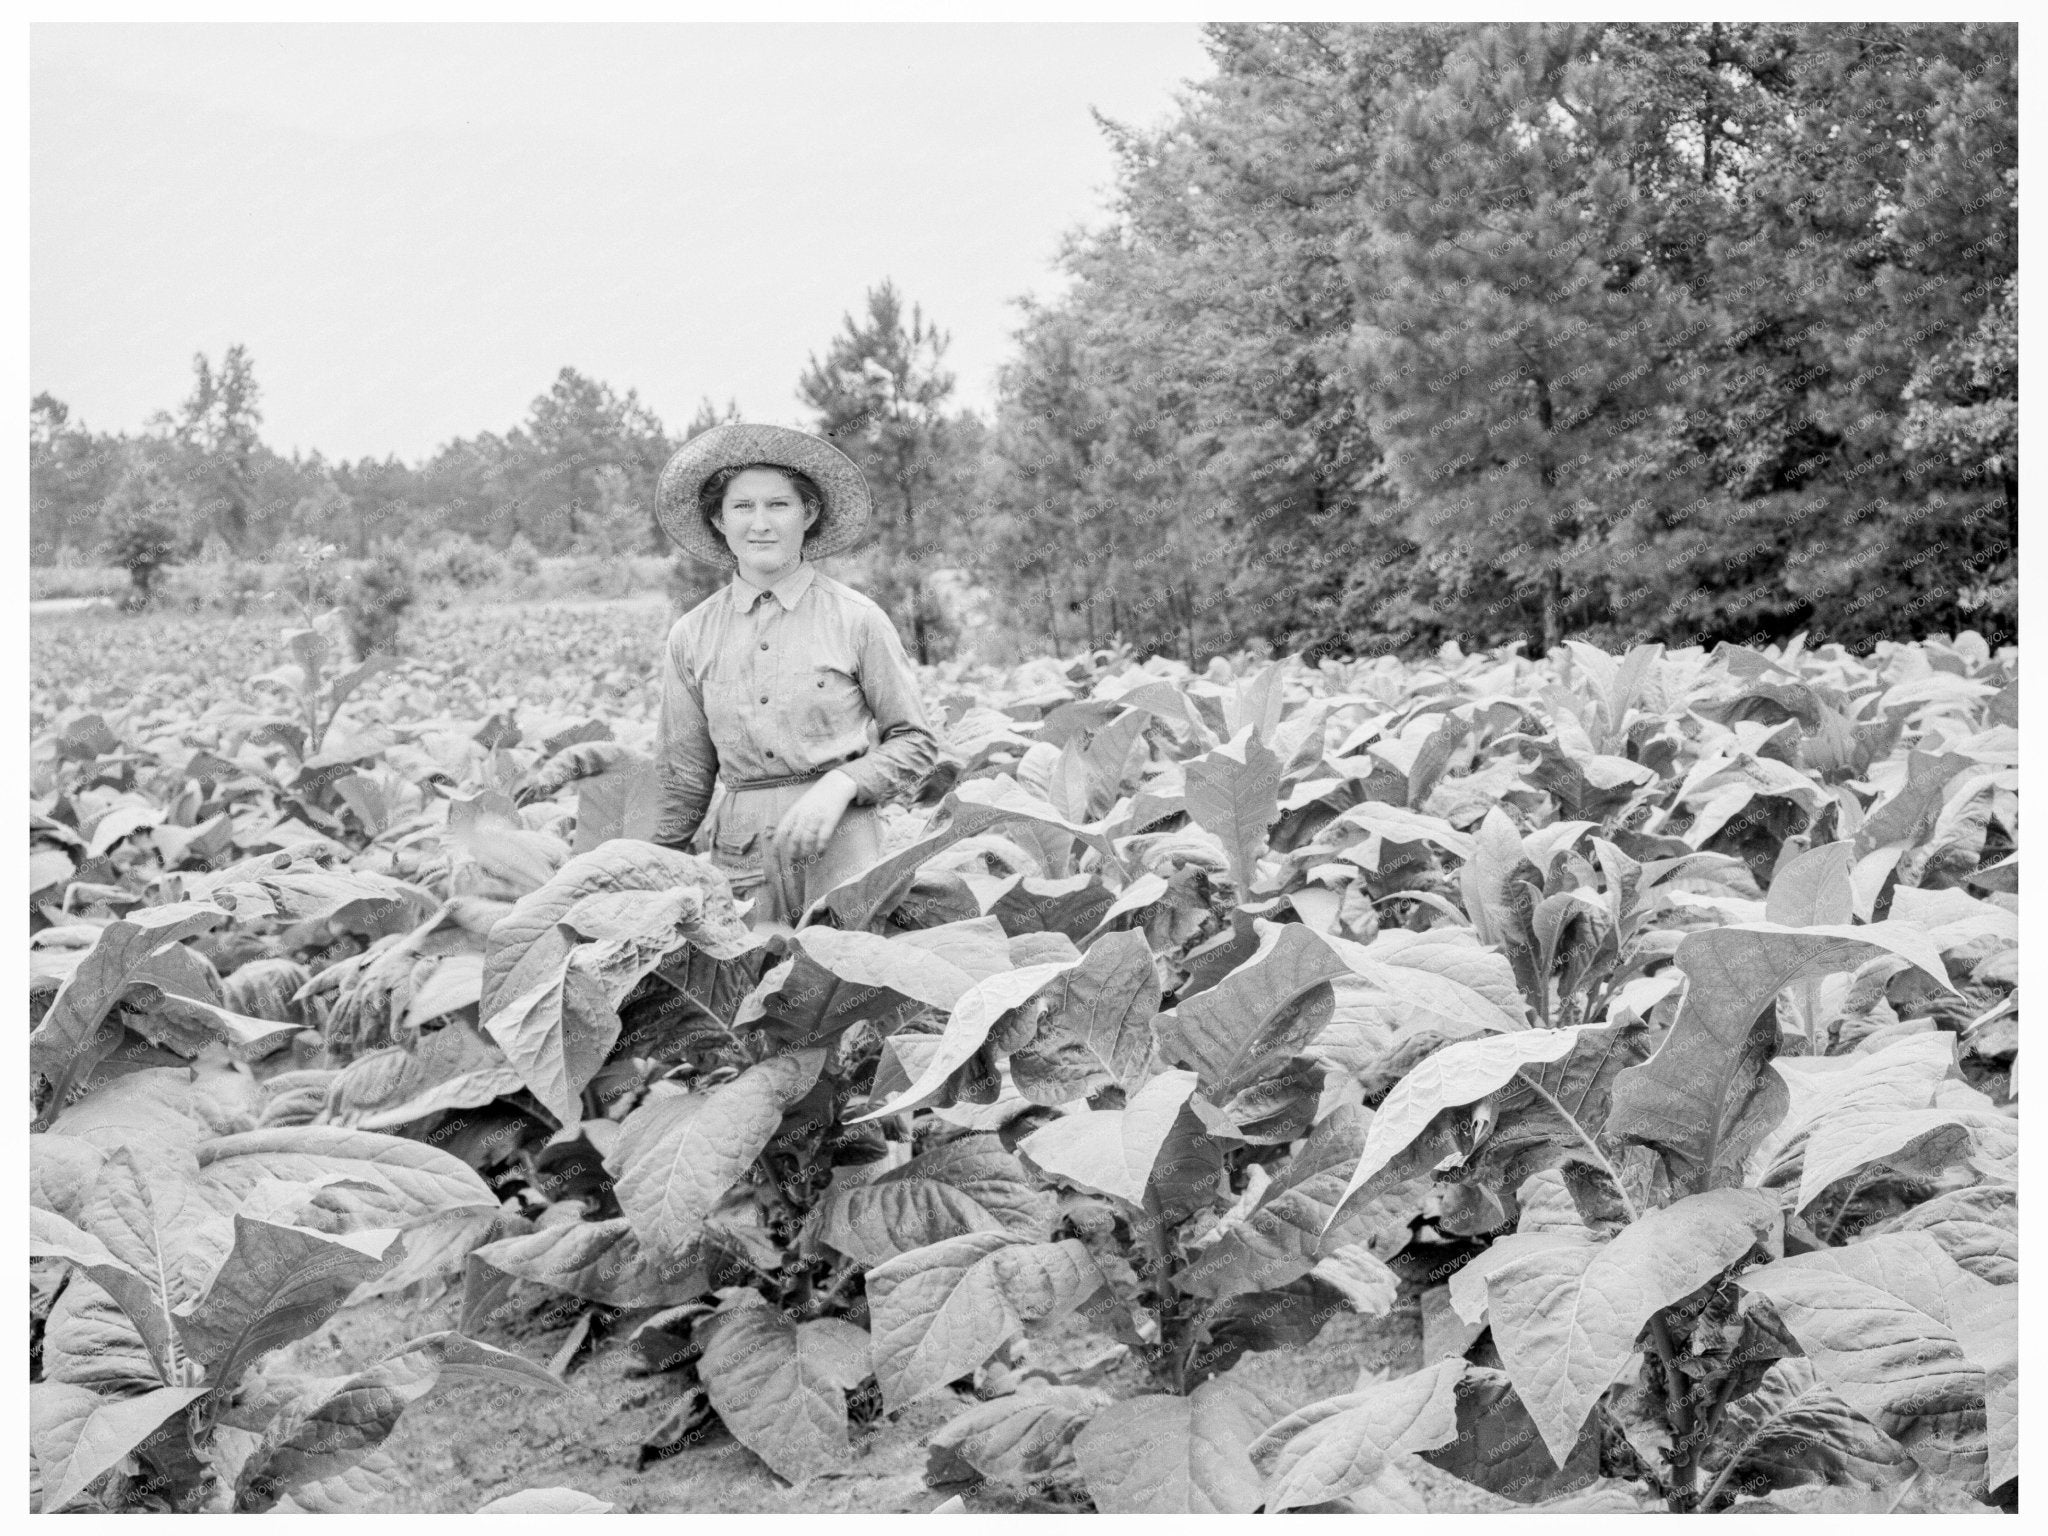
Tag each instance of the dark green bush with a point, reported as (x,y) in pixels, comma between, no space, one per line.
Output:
(142,545)
(376,598)
(463,563)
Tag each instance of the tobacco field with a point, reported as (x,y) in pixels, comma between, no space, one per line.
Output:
(1648,1022)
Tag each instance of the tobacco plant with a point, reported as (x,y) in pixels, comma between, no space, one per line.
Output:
(1700,1316)
(1652,981)
(181,1250)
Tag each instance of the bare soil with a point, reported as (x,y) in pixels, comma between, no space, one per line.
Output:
(468,1444)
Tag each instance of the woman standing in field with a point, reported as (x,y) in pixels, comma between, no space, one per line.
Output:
(772,684)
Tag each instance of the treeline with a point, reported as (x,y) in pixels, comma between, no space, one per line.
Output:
(1411,333)
(577,474)
(1399,334)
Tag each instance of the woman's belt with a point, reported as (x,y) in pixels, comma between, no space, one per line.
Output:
(787,778)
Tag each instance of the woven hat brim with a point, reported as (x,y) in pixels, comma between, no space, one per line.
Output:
(848,502)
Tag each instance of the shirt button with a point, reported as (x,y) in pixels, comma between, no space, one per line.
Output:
(764,698)
(771,751)
(764,645)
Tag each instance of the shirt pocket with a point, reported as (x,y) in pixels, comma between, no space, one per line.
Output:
(732,834)
(830,704)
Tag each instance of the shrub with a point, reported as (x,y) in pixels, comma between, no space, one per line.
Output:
(522,557)
(464,563)
(142,545)
(376,598)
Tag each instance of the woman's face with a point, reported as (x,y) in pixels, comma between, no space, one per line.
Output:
(763,521)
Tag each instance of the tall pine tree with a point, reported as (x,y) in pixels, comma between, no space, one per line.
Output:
(880,394)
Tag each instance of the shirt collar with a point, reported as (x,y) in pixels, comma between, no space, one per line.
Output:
(788,587)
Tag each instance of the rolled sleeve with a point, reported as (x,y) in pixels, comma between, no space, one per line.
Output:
(898,763)
(685,761)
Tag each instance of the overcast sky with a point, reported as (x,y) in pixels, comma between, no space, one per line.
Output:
(413,228)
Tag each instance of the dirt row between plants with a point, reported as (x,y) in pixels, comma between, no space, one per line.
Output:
(468,1444)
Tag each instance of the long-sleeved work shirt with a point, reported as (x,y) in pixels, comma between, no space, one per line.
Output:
(762,682)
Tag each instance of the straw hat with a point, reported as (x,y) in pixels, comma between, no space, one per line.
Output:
(845,488)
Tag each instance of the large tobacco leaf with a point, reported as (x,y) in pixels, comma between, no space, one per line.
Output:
(1467,1283)
(939,1312)
(1287,1317)
(1114,1151)
(1394,826)
(317,1441)
(1794,1429)
(1160,1455)
(321,1435)
(1356,1444)
(438,1249)
(1978,1227)
(71,1039)
(1461,1073)
(972,807)
(1551,1114)
(354,900)
(1849,1111)
(352,1489)
(1019,1440)
(528,943)
(1095,1024)
(1566,1318)
(1813,887)
(1289,1229)
(1809,889)
(1707,1097)
(89,1340)
(1264,1011)
(1893,1324)
(838,970)
(1233,791)
(600,1261)
(278,1284)
(392,1181)
(972,1184)
(76,1440)
(861,903)
(547,1501)
(164,1236)
(976,805)
(1499,1448)
(780,1386)
(1069,907)
(556,1034)
(1900,818)
(677,1156)
(1953,919)
(1443,981)
(57,1414)
(1499,884)
(980,1008)
(187,1025)
(1990,1335)
(559,1031)
(156,1107)
(61,1173)
(451,1068)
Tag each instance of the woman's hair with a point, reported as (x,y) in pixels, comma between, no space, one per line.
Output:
(712,496)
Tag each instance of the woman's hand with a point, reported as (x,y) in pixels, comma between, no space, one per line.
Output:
(807,826)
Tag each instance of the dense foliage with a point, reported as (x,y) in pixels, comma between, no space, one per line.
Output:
(1679,990)
(1661,332)
(1399,334)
